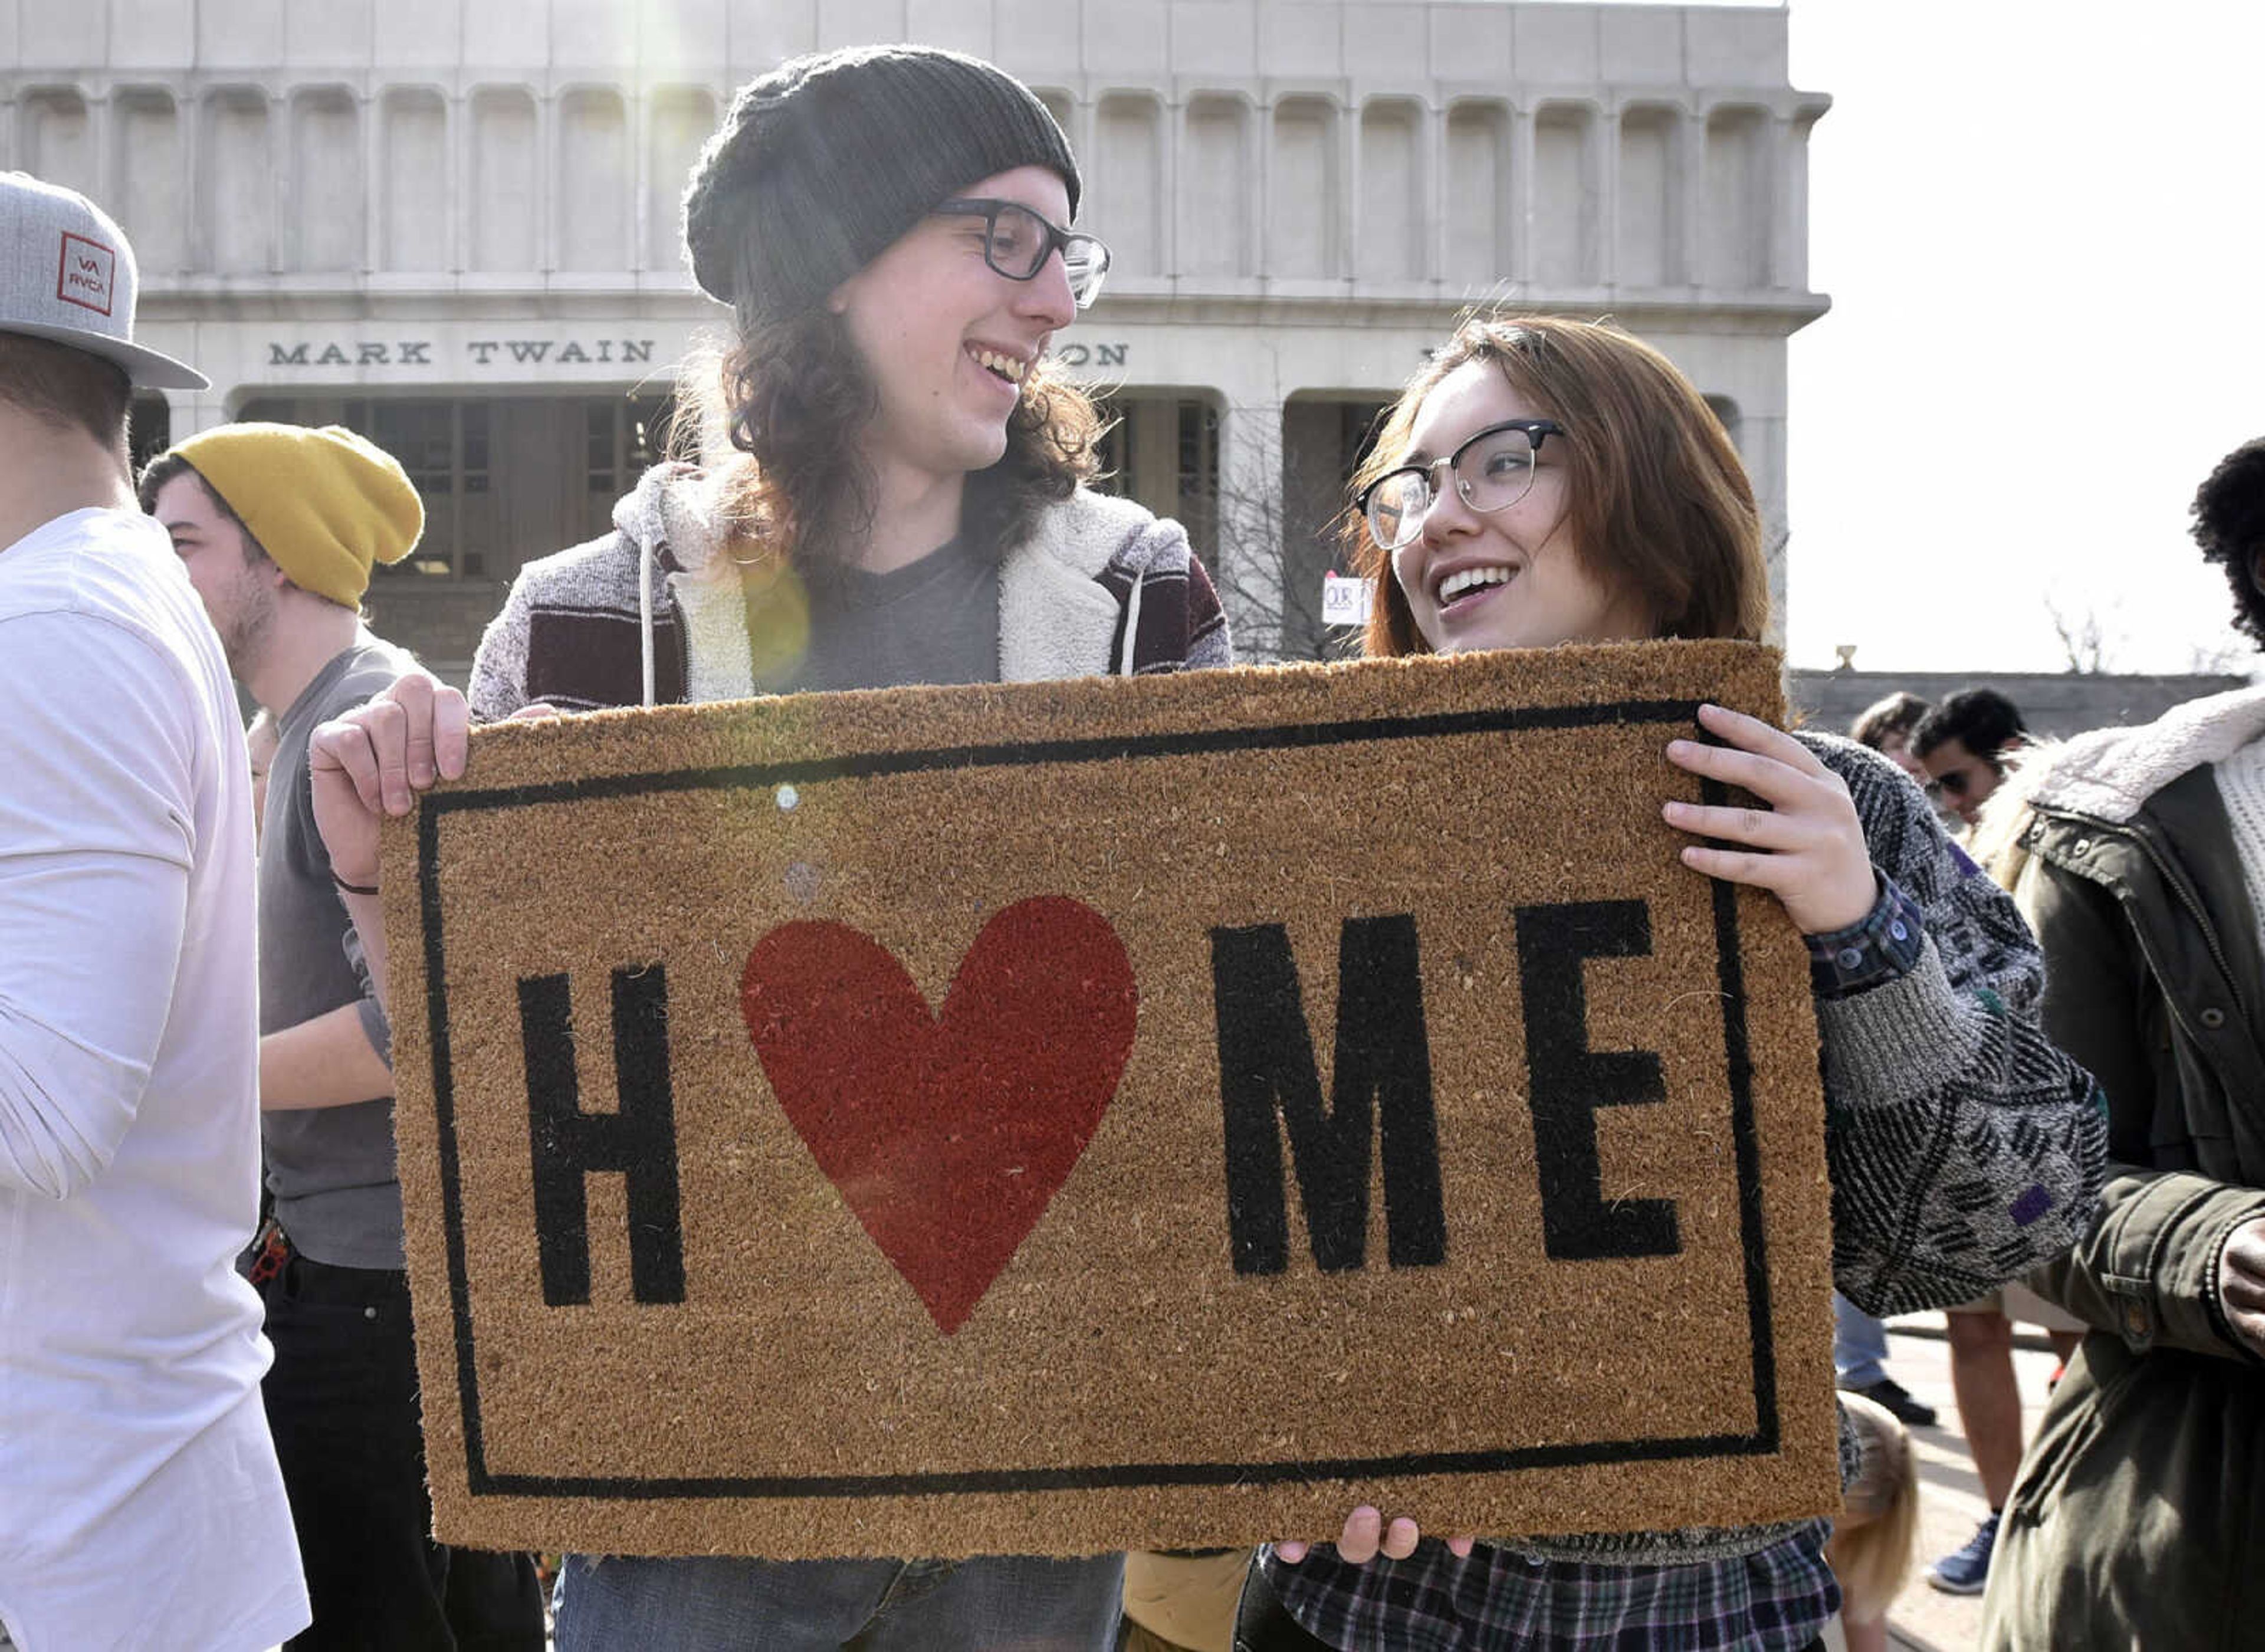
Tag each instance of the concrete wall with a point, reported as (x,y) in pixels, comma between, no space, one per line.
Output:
(2054,704)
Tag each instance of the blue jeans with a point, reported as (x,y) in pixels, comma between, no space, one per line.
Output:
(1860,1345)
(708,1603)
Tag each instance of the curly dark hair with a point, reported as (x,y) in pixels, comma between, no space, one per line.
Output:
(2229,524)
(1982,720)
(793,395)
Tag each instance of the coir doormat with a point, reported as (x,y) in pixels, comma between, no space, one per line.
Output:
(1083,1115)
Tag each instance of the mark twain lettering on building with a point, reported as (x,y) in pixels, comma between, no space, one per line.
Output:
(84,277)
(1053,1118)
(479,352)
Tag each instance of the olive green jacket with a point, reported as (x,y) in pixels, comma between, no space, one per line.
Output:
(2138,1519)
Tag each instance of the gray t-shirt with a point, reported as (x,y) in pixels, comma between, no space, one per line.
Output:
(933,621)
(330,1168)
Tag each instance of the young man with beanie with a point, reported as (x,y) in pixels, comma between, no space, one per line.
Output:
(2139,857)
(901,501)
(278,526)
(140,1504)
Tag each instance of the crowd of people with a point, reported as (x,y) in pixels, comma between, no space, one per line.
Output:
(2041,1037)
(1959,752)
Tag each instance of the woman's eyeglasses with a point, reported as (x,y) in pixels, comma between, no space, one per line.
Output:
(1017,242)
(1493,469)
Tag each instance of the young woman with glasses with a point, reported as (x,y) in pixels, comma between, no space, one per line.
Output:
(1543,481)
(893,494)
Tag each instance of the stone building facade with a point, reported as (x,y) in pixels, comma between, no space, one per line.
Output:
(454,224)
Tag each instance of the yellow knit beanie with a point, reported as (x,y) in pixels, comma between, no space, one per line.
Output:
(323,503)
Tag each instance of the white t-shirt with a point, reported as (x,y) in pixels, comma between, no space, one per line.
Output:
(140,1502)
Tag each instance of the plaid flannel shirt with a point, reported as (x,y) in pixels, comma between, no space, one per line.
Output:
(1883,944)
(1777,1599)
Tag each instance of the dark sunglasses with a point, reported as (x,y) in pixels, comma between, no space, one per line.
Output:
(1958,781)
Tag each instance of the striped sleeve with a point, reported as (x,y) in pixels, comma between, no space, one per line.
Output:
(1178,624)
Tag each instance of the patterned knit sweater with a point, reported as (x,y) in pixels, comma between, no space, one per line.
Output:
(1964,1148)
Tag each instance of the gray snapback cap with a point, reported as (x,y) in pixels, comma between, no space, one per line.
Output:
(67,273)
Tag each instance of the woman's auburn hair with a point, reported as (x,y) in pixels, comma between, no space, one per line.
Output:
(791,396)
(1658,502)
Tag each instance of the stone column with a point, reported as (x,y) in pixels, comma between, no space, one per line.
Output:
(194,410)
(1520,272)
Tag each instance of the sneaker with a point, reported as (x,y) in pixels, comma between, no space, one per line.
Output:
(1965,1572)
(1891,1397)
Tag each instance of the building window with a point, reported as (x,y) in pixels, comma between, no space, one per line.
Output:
(502,478)
(1199,502)
(1727,410)
(1162,452)
(1324,440)
(623,437)
(149,429)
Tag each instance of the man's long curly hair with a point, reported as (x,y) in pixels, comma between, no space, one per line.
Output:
(791,396)
(2229,524)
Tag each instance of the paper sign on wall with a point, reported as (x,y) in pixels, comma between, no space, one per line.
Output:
(1345,600)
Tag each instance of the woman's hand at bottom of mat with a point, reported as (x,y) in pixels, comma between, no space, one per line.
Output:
(1367,1534)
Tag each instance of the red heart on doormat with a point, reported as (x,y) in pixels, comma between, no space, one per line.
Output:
(946,1135)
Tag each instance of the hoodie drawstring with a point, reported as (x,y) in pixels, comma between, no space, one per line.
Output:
(1131,626)
(644,612)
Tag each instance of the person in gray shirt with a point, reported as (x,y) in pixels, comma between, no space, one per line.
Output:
(278,526)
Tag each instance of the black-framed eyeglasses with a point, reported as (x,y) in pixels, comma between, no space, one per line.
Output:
(1017,242)
(1493,469)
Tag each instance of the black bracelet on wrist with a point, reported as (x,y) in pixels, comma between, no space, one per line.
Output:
(351,889)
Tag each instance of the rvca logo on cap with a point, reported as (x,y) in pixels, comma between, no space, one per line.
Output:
(85,276)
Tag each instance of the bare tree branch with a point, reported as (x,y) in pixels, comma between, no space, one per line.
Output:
(2230,655)
(2083,639)
(1275,544)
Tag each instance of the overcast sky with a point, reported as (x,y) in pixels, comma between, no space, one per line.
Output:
(2043,229)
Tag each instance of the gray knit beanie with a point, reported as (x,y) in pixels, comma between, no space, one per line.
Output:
(823,163)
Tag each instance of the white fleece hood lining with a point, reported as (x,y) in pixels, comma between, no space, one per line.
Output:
(1055,620)
(2109,774)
